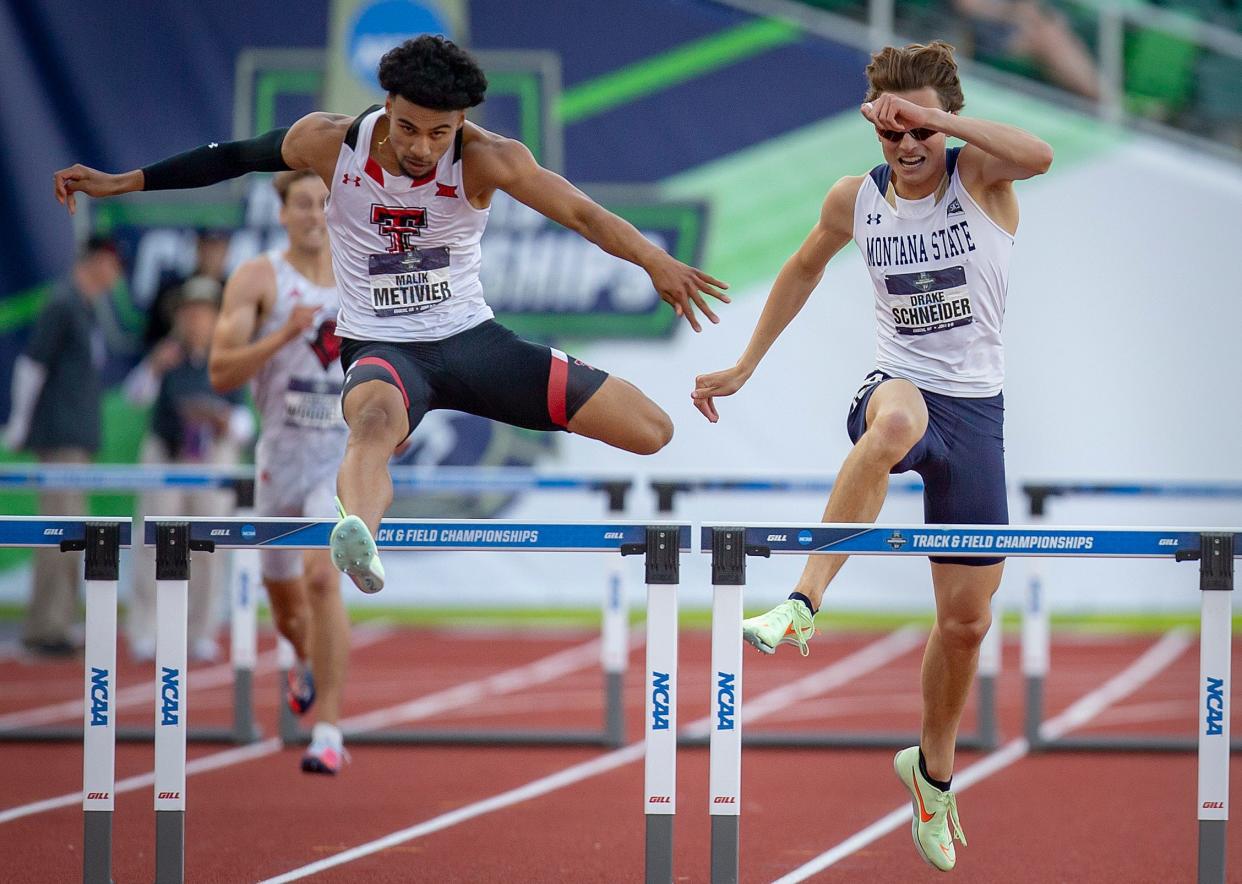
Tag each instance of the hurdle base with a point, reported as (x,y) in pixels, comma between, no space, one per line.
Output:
(725,849)
(836,740)
(471,738)
(1123,744)
(169,846)
(73,734)
(659,856)
(97,847)
(1212,851)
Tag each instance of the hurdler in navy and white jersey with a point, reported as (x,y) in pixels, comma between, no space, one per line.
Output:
(411,184)
(935,228)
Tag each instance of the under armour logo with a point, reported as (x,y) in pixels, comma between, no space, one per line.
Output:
(214,144)
(357,179)
(873,219)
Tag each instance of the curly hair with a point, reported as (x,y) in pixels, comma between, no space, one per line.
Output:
(904,69)
(434,73)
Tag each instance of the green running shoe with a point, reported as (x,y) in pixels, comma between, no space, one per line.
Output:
(934,813)
(354,552)
(790,622)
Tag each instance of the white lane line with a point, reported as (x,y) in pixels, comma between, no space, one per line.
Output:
(1157,658)
(857,664)
(142,694)
(538,672)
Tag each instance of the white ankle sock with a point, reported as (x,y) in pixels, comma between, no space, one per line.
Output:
(327,733)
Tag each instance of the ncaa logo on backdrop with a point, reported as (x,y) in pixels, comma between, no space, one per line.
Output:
(383,25)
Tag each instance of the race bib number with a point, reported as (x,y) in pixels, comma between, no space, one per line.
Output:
(313,404)
(409,282)
(929,301)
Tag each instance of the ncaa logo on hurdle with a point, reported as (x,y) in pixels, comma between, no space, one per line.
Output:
(170,695)
(659,701)
(1214,706)
(726,683)
(99,697)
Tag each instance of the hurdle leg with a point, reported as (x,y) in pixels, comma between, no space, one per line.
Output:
(725,774)
(99,723)
(614,655)
(1036,643)
(660,771)
(172,577)
(243,648)
(989,669)
(1215,642)
(287,723)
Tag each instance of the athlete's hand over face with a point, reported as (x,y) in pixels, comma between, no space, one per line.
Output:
(719,383)
(83,179)
(683,287)
(891,112)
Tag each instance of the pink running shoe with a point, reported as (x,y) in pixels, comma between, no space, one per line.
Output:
(323,758)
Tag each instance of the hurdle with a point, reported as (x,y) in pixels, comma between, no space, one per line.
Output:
(668,489)
(614,625)
(661,546)
(129,479)
(730,545)
(101,541)
(1036,616)
(245,588)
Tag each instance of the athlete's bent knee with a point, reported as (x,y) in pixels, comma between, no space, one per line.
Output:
(963,634)
(893,433)
(651,432)
(373,422)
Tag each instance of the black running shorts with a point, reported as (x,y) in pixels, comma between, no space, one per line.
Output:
(486,370)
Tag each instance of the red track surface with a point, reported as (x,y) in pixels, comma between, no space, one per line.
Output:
(1053,817)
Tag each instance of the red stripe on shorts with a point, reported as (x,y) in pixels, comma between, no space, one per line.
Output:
(387,366)
(558,380)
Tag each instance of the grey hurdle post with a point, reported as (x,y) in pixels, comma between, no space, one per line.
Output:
(662,549)
(1215,676)
(102,547)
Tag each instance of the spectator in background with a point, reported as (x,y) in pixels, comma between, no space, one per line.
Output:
(1028,30)
(55,413)
(210,253)
(190,424)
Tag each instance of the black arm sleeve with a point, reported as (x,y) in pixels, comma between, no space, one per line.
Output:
(217,162)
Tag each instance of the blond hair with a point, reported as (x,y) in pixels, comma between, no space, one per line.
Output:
(916,66)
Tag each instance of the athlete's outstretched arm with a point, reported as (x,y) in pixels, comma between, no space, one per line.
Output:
(509,166)
(793,286)
(308,144)
(235,357)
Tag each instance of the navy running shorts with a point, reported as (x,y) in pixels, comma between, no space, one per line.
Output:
(961,458)
(486,370)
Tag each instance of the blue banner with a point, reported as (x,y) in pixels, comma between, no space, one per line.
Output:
(966,541)
(52,531)
(409,534)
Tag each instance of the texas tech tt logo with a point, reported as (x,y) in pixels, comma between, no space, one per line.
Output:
(399,224)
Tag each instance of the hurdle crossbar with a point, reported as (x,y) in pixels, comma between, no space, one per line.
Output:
(1214,548)
(101,542)
(1036,616)
(662,546)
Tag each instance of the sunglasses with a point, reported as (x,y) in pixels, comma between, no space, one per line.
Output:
(916,134)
